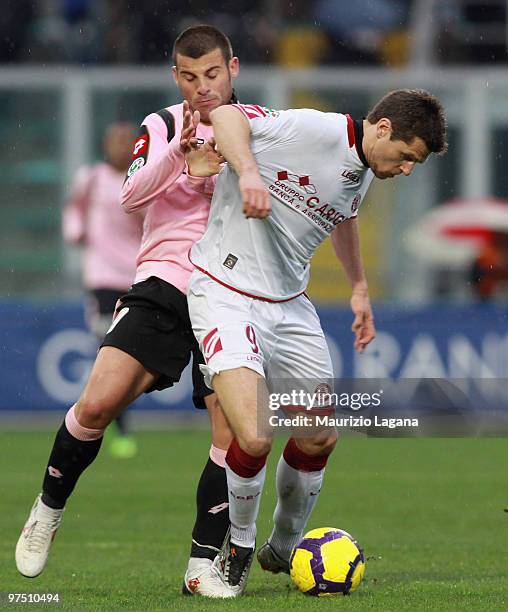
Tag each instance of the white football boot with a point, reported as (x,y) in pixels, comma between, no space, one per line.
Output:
(232,566)
(201,579)
(36,538)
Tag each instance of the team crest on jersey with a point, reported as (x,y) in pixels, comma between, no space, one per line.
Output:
(136,165)
(356,203)
(323,394)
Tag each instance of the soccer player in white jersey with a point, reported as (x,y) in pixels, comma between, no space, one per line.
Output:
(293,178)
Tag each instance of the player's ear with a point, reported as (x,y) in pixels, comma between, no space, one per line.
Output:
(384,127)
(234,67)
(174,72)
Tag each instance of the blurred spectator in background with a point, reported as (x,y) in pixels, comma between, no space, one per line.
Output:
(240,20)
(14,25)
(471,31)
(122,26)
(296,34)
(300,41)
(63,31)
(489,274)
(94,218)
(364,31)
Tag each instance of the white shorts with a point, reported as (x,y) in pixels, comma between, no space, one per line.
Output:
(283,342)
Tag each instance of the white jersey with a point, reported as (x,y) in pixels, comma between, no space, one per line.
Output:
(314,167)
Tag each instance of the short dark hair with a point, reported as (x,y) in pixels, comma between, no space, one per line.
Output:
(413,113)
(197,41)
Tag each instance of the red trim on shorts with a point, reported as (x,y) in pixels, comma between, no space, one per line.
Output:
(299,460)
(249,295)
(208,350)
(350,131)
(242,463)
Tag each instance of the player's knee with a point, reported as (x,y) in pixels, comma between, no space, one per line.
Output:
(94,414)
(222,436)
(322,444)
(256,447)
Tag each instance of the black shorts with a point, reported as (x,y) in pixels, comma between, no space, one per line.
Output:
(99,309)
(103,301)
(156,330)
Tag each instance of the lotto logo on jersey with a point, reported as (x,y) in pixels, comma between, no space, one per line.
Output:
(140,151)
(140,146)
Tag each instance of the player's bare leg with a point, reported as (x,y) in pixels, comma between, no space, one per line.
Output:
(241,391)
(212,517)
(300,473)
(116,380)
(123,444)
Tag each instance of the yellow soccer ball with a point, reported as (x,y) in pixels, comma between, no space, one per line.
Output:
(327,561)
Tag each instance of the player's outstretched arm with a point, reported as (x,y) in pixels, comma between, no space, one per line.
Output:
(158,159)
(232,133)
(346,243)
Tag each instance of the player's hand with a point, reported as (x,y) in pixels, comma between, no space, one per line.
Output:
(188,140)
(363,325)
(255,195)
(204,160)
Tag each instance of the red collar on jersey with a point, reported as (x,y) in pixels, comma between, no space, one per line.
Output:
(355,137)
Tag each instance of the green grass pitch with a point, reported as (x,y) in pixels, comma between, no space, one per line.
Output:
(429,514)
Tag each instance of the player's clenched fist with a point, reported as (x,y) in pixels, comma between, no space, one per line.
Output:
(255,195)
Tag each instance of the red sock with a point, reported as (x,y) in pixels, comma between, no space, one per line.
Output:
(242,463)
(299,460)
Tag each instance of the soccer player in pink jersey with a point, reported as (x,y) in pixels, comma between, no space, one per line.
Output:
(293,179)
(150,341)
(109,257)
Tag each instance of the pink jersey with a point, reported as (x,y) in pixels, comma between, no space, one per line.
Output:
(92,216)
(176,205)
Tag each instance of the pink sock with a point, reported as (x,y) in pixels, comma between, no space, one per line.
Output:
(78,431)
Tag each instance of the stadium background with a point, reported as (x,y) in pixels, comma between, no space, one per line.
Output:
(70,67)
